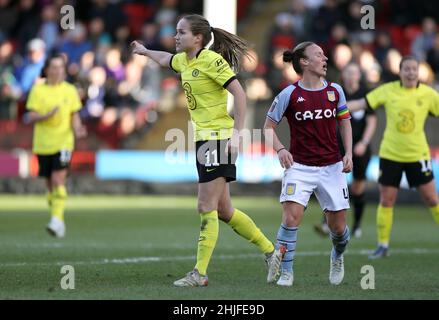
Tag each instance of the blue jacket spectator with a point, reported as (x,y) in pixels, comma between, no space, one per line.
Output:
(76,44)
(30,70)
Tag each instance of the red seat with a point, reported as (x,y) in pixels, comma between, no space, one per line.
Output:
(410,34)
(137,14)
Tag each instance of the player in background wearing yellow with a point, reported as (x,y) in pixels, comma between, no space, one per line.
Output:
(206,76)
(404,146)
(53,109)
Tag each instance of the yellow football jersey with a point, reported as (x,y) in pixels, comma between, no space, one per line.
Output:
(204,79)
(56,133)
(406,110)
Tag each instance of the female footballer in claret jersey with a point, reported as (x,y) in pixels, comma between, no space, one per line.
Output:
(313,164)
(206,76)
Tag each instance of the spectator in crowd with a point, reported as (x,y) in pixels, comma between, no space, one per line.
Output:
(75,45)
(341,56)
(354,24)
(424,41)
(110,12)
(300,18)
(383,43)
(9,94)
(30,69)
(327,16)
(339,35)
(433,56)
(97,33)
(48,31)
(391,66)
(28,23)
(8,18)
(94,94)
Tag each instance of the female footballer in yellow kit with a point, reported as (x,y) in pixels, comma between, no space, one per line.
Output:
(206,77)
(404,147)
(53,108)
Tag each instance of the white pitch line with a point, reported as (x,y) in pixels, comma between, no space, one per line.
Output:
(135,260)
(62,245)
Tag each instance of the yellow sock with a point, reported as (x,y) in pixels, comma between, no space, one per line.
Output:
(243,225)
(384,224)
(207,241)
(49,199)
(435,212)
(59,195)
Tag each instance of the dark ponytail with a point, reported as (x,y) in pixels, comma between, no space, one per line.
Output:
(288,56)
(228,45)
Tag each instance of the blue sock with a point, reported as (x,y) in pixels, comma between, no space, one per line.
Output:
(340,242)
(287,237)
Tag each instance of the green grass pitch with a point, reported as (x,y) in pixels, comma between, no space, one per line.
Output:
(135,247)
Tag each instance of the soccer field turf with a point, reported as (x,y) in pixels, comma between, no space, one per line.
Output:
(134,248)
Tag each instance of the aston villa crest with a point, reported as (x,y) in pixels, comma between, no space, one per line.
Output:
(331,96)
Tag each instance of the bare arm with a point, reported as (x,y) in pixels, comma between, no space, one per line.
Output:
(355,105)
(346,135)
(371,125)
(285,157)
(240,104)
(360,146)
(33,116)
(163,58)
(239,109)
(79,130)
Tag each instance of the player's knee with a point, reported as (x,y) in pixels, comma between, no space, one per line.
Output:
(290,219)
(225,213)
(57,180)
(431,200)
(225,208)
(338,229)
(205,206)
(388,202)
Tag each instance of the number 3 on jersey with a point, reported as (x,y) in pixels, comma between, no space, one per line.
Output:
(191,102)
(407,123)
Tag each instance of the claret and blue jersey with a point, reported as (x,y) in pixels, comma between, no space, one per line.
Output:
(312,115)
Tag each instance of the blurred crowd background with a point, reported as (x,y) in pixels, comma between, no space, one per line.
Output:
(125,97)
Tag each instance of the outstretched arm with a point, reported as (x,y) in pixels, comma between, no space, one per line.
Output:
(161,57)
(355,105)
